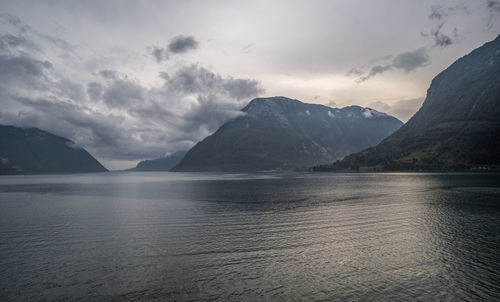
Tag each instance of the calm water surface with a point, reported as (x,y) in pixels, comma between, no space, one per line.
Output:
(174,236)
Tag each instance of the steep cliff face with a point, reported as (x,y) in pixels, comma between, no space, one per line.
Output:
(457,127)
(281,133)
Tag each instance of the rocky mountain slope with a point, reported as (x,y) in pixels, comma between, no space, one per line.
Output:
(457,128)
(282,133)
(34,151)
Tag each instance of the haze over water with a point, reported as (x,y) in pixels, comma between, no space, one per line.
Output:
(296,236)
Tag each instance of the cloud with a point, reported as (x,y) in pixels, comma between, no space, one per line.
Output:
(406,62)
(23,69)
(123,93)
(439,18)
(160,54)
(94,90)
(409,61)
(108,74)
(178,45)
(403,109)
(377,69)
(182,44)
(493,7)
(111,114)
(440,39)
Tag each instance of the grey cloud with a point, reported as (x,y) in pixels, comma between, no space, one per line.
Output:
(70,89)
(86,127)
(411,60)
(195,79)
(243,88)
(164,75)
(440,39)
(493,5)
(108,74)
(10,41)
(437,12)
(403,109)
(129,121)
(6,18)
(94,90)
(439,16)
(160,54)
(22,31)
(123,93)
(377,69)
(406,62)
(182,44)
(178,45)
(208,115)
(23,70)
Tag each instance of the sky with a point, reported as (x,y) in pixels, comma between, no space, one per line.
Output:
(132,80)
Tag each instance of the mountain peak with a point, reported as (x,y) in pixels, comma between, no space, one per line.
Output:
(34,151)
(283,133)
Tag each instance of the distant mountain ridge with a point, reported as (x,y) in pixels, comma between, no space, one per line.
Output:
(160,164)
(34,151)
(456,129)
(284,134)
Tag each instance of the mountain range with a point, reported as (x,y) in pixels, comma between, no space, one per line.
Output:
(456,129)
(159,164)
(279,133)
(34,151)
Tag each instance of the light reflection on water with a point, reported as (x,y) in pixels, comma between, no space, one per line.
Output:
(176,236)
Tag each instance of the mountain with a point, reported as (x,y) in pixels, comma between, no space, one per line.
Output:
(34,151)
(281,133)
(456,129)
(160,164)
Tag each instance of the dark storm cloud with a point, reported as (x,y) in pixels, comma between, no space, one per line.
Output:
(182,44)
(406,62)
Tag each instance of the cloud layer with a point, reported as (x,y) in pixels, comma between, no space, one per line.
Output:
(114,115)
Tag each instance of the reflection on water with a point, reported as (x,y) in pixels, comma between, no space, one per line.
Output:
(174,236)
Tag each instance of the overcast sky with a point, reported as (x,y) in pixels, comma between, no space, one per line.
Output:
(132,80)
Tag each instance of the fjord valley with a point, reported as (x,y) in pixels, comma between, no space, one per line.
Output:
(250,150)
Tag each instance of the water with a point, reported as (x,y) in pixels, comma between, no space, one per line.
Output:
(174,236)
